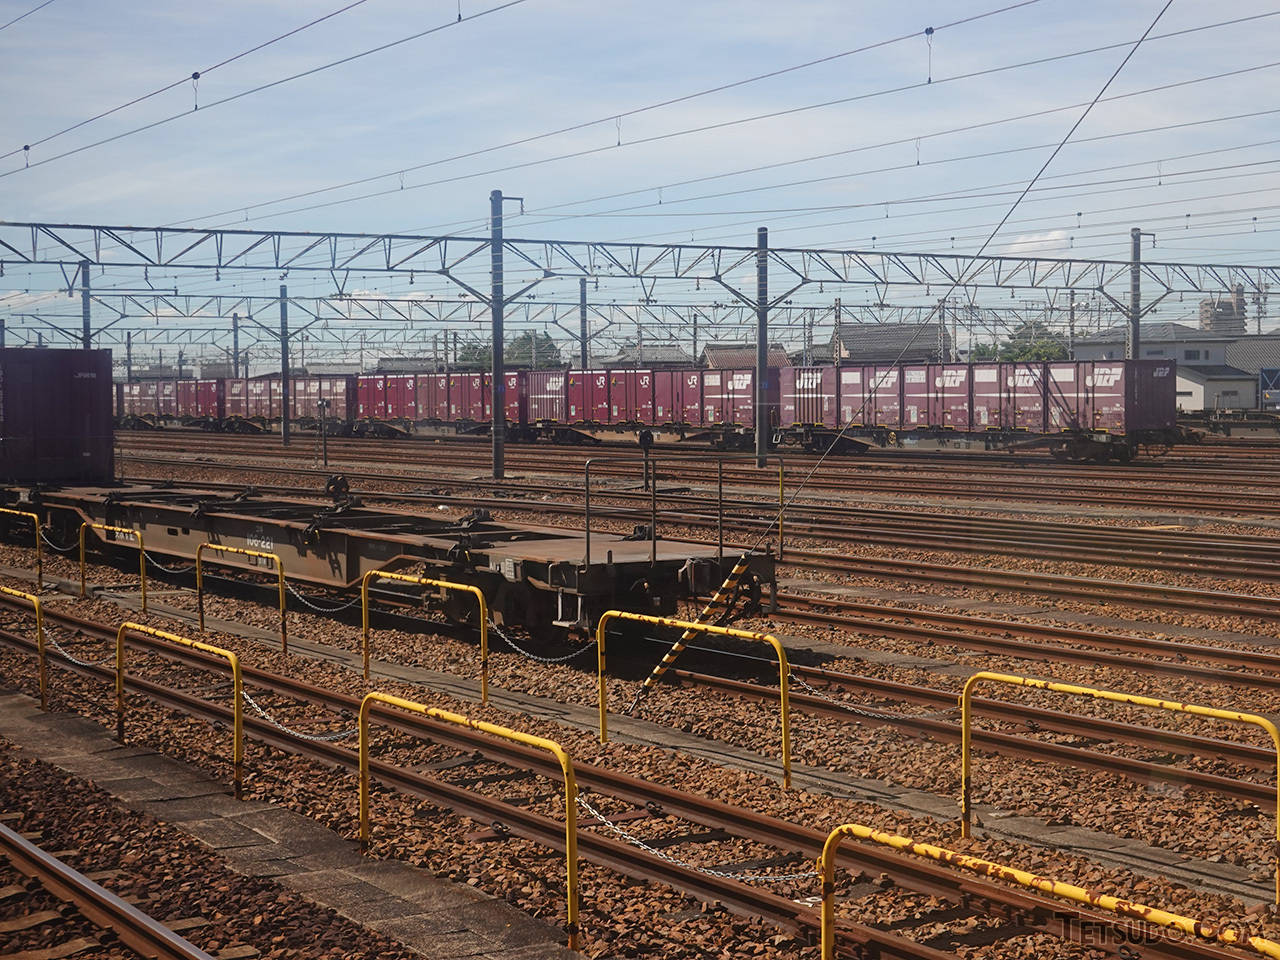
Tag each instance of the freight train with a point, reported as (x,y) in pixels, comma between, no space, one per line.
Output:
(1080,409)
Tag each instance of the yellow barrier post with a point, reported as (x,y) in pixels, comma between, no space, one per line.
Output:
(44,673)
(566,765)
(1133,699)
(237,688)
(142,554)
(444,585)
(35,520)
(784,669)
(284,637)
(1124,908)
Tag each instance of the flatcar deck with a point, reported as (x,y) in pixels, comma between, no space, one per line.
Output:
(536,575)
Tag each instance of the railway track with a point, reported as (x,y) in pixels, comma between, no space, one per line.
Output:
(1018,911)
(1199,482)
(1152,550)
(119,920)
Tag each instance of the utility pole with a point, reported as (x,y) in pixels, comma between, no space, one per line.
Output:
(582,323)
(762,343)
(128,356)
(87,334)
(284,365)
(1132,342)
(235,346)
(1071,323)
(496,308)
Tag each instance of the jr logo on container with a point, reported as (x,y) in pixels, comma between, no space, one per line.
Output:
(1104,376)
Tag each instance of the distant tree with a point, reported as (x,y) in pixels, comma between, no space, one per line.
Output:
(528,351)
(1032,341)
(532,351)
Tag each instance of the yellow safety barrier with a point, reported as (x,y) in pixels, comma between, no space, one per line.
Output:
(237,688)
(784,669)
(444,585)
(142,554)
(566,765)
(35,520)
(1125,908)
(44,673)
(1235,716)
(284,637)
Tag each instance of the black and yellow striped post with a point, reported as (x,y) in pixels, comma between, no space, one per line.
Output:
(720,600)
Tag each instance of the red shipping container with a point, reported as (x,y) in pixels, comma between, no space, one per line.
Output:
(631,397)
(150,397)
(588,396)
(211,399)
(515,397)
(691,397)
(949,396)
(340,392)
(884,385)
(367,390)
(917,391)
(1066,397)
(238,398)
(808,396)
(259,398)
(433,396)
(714,397)
(184,405)
(668,396)
(546,389)
(1026,387)
(167,398)
(740,396)
(1107,386)
(989,407)
(401,397)
(469,397)
(854,398)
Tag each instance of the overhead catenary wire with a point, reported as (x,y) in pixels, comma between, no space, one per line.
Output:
(960,280)
(611,118)
(25,15)
(265,86)
(243,212)
(964,128)
(176,83)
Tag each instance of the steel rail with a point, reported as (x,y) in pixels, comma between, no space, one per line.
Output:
(943,484)
(1035,718)
(134,928)
(997,901)
(1242,557)
(1008,745)
(1011,638)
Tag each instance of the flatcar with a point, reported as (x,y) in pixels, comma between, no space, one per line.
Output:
(1081,409)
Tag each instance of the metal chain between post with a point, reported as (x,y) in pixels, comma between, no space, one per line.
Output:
(533,656)
(76,660)
(316,738)
(723,874)
(316,607)
(156,563)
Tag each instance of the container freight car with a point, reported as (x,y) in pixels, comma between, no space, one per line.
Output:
(1087,409)
(55,416)
(1093,409)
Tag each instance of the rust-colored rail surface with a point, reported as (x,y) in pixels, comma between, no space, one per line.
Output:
(134,928)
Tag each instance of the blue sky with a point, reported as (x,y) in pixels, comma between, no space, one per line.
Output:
(916,144)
